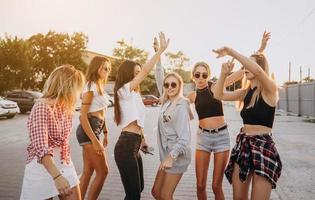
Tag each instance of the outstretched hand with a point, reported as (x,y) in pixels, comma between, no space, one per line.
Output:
(163,44)
(227,67)
(155,44)
(264,41)
(222,51)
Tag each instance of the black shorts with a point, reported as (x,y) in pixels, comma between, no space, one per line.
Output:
(96,124)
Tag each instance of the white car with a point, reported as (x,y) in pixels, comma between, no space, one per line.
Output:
(8,108)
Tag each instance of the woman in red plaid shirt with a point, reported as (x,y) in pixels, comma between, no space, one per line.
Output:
(49,170)
(254,158)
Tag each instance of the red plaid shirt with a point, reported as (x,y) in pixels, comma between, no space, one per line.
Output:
(48,128)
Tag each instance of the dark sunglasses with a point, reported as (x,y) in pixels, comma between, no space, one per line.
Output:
(106,69)
(167,85)
(204,75)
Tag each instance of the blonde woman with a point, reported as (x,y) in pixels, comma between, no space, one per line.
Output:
(49,170)
(173,133)
(92,124)
(254,158)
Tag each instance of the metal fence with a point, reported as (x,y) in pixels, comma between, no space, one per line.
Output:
(298,99)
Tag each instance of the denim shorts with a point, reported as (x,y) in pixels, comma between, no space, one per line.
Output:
(96,124)
(213,142)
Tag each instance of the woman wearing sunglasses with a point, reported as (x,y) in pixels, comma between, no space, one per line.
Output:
(254,158)
(212,134)
(173,133)
(92,124)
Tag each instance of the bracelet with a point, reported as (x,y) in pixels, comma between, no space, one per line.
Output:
(57,176)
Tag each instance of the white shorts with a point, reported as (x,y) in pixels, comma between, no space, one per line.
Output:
(37,182)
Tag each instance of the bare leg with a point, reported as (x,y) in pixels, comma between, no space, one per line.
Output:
(99,163)
(170,182)
(202,159)
(87,170)
(156,189)
(220,162)
(261,188)
(240,189)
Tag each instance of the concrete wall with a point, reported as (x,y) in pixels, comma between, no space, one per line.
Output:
(298,98)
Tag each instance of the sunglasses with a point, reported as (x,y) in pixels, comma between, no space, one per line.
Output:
(167,85)
(204,75)
(107,69)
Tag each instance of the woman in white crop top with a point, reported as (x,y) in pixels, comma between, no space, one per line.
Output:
(129,115)
(92,124)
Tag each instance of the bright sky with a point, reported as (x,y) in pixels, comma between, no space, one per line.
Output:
(194,26)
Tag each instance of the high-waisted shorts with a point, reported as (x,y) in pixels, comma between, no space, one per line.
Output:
(96,124)
(213,142)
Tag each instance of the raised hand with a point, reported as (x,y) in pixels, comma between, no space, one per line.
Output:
(155,44)
(163,43)
(222,51)
(264,41)
(227,67)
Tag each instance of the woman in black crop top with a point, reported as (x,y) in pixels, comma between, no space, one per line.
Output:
(212,135)
(254,158)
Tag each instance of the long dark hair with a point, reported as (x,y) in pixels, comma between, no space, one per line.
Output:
(124,75)
(92,71)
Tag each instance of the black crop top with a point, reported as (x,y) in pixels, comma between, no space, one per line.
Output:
(206,105)
(260,114)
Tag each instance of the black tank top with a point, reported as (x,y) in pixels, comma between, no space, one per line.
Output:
(206,105)
(260,114)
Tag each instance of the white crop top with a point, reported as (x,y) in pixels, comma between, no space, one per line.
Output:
(131,106)
(99,102)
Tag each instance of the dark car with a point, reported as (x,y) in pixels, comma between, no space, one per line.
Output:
(24,98)
(150,100)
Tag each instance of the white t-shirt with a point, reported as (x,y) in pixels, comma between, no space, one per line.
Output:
(99,102)
(131,106)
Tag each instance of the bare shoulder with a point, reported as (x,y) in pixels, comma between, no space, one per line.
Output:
(192,96)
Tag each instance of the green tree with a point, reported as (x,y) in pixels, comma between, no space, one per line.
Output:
(125,51)
(15,64)
(54,49)
(177,62)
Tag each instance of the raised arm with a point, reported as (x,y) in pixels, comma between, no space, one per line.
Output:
(219,92)
(235,76)
(268,84)
(264,41)
(147,67)
(159,71)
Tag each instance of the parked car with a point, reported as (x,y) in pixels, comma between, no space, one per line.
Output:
(150,100)
(24,98)
(8,108)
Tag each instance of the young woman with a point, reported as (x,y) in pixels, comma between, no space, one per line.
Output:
(92,124)
(49,170)
(254,158)
(173,133)
(212,135)
(130,115)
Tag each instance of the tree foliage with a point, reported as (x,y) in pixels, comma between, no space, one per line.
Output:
(25,64)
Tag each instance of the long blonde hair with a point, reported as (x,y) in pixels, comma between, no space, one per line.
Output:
(263,63)
(164,96)
(64,86)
